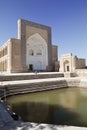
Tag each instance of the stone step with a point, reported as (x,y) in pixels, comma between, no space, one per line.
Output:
(25,88)
(28,77)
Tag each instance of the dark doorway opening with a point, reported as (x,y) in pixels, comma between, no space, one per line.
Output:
(31,67)
(67,68)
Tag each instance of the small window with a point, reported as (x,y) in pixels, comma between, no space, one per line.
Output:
(39,52)
(31,52)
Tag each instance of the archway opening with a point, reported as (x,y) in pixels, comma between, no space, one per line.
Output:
(37,53)
(66,66)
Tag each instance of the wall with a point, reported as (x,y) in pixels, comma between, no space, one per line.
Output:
(41,85)
(81,72)
(57,66)
(26,87)
(28,76)
(27,29)
(4,57)
(15,55)
(80,63)
(54,53)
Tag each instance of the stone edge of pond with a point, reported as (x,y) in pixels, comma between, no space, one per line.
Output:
(17,125)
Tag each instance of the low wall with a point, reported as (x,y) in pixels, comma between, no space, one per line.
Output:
(30,76)
(27,87)
(20,87)
(73,82)
(81,72)
(69,74)
(77,82)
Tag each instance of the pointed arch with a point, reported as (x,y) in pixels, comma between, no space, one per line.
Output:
(40,51)
(36,37)
(66,66)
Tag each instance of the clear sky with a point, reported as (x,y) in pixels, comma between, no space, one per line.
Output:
(67,18)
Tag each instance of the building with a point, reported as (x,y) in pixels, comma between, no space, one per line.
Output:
(69,62)
(33,50)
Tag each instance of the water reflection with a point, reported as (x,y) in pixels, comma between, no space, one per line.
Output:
(62,107)
(68,100)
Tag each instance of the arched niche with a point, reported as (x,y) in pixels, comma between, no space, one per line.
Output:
(66,66)
(37,47)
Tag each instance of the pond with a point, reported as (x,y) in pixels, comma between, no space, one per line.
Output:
(66,106)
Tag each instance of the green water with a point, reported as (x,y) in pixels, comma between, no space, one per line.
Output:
(62,106)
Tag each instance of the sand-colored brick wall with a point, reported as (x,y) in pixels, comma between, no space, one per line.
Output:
(80,63)
(16,55)
(32,30)
(54,53)
(4,57)
(27,29)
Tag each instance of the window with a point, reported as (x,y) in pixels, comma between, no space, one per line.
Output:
(31,52)
(39,52)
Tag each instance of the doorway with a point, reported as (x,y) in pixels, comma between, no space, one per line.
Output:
(67,68)
(31,67)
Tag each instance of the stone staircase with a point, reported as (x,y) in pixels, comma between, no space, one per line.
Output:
(32,87)
(23,85)
(29,76)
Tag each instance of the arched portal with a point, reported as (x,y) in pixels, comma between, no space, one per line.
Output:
(66,66)
(37,53)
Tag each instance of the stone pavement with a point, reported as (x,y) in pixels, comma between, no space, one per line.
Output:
(34,126)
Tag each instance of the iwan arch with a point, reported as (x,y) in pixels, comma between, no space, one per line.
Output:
(33,50)
(37,54)
(70,63)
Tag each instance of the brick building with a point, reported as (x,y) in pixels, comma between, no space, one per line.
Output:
(33,50)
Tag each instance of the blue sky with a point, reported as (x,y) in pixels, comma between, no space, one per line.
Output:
(67,18)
